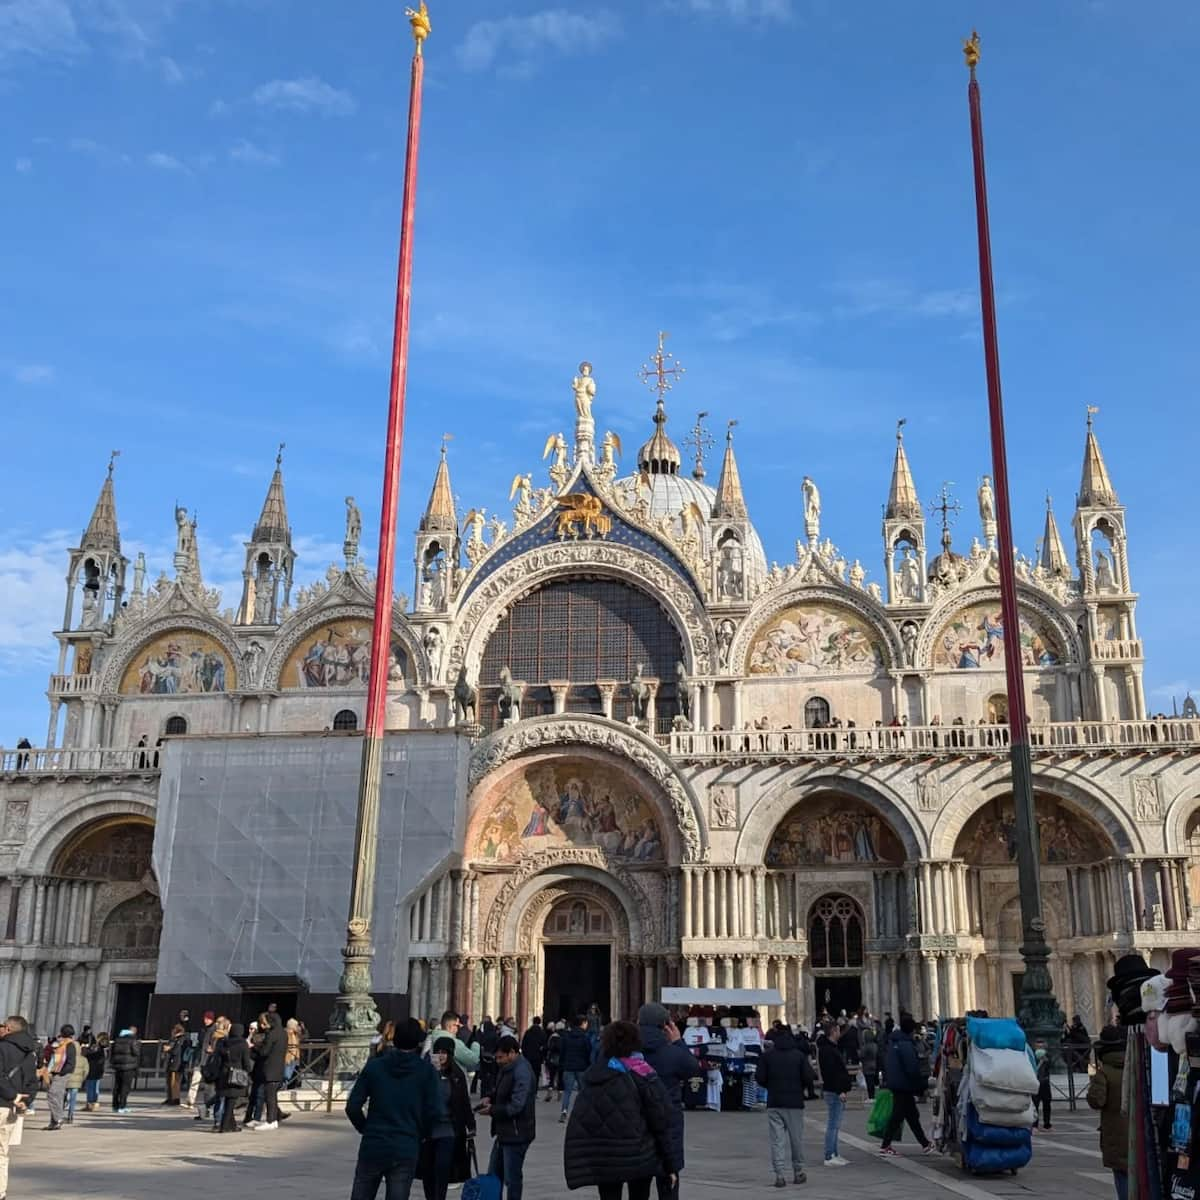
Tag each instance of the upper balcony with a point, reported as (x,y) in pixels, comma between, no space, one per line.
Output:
(135,760)
(931,741)
(73,685)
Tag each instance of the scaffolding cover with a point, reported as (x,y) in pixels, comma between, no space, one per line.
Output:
(254,849)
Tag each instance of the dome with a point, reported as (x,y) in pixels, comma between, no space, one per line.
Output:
(670,494)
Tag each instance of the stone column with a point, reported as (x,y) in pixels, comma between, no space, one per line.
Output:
(29,989)
(708,883)
(52,728)
(522,994)
(709,709)
(559,689)
(63,1001)
(648,983)
(491,990)
(710,971)
(915,1000)
(933,1001)
(416,988)
(727,971)
(760,902)
(652,705)
(1068,984)
(693,970)
(893,987)
(736,723)
(62,911)
(800,1004)
(39,909)
(41,1014)
(1101,698)
(694,705)
(718,878)
(954,1000)
(506,987)
(781,971)
(607,690)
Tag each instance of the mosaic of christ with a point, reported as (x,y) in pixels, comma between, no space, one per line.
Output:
(569,804)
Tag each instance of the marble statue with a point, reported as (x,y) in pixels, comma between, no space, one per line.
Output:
(609,449)
(434,646)
(857,574)
(683,690)
(1105,581)
(725,632)
(139,573)
(639,694)
(908,635)
(353,530)
(91,608)
(262,601)
(812,508)
(253,658)
(465,699)
(584,387)
(509,700)
(875,592)
(987,502)
(184,533)
(522,491)
(556,446)
(498,528)
(909,576)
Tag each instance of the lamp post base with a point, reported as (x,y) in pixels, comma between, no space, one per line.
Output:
(354,1021)
(1039,1014)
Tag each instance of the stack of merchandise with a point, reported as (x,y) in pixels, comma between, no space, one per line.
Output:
(995,1106)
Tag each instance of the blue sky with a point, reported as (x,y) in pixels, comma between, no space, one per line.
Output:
(200,206)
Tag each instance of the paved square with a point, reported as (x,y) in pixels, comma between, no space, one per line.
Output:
(160,1153)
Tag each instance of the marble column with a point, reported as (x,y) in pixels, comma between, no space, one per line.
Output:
(933,1003)
(491,989)
(893,986)
(727,971)
(801,1002)
(506,987)
(522,994)
(559,689)
(607,691)
(736,723)
(709,711)
(41,1014)
(416,989)
(708,880)
(954,999)
(710,970)
(648,986)
(693,970)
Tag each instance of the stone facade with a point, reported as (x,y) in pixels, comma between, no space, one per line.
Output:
(815,798)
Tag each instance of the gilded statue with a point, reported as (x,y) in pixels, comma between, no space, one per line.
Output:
(609,449)
(583,515)
(971,50)
(556,445)
(419,20)
(522,491)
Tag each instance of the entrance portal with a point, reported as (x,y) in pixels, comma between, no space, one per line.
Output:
(838,993)
(576,977)
(132,1007)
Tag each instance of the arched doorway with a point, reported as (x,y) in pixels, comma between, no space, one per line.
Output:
(836,937)
(577,957)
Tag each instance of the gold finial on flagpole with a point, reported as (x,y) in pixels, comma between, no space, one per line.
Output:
(418,18)
(971,51)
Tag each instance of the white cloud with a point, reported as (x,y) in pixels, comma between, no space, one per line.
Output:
(165,162)
(750,11)
(220,108)
(40,28)
(24,165)
(244,151)
(172,72)
(881,296)
(554,29)
(309,95)
(33,374)
(31,587)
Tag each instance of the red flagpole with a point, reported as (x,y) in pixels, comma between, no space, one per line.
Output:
(1039,1012)
(355,1017)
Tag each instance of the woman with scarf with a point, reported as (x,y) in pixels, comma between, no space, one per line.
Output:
(445,1156)
(619,1135)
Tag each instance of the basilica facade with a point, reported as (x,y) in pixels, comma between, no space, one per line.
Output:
(689,765)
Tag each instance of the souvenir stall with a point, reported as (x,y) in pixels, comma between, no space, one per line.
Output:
(722,1027)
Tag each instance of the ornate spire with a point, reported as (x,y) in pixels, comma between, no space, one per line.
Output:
(1095,487)
(440,512)
(273,520)
(102,532)
(1053,557)
(902,504)
(700,442)
(660,455)
(730,503)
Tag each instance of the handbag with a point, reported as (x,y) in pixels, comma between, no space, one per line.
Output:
(237,1077)
(480,1187)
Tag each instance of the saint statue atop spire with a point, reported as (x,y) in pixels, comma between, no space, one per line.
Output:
(584,387)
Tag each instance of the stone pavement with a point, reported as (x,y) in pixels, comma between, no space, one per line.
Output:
(161,1154)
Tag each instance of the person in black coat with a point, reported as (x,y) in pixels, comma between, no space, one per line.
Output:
(533,1047)
(805,1046)
(576,1057)
(95,1054)
(619,1134)
(674,1064)
(123,1057)
(902,1074)
(787,1075)
(269,1054)
(233,1065)
(835,1087)
(446,1155)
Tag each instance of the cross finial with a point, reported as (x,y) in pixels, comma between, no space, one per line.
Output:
(900,424)
(699,440)
(948,509)
(1092,410)
(729,431)
(446,439)
(663,371)
(112,462)
(279,455)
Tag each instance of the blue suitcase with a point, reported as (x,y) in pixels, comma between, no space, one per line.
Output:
(480,1187)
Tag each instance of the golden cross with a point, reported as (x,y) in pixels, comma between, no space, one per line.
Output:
(948,508)
(446,439)
(112,462)
(663,371)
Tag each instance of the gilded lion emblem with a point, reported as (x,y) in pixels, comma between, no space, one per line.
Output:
(582,516)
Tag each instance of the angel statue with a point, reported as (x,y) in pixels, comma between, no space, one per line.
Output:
(498,528)
(609,449)
(812,509)
(584,387)
(556,444)
(522,492)
(475,520)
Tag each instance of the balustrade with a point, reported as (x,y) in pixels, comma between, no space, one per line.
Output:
(33,761)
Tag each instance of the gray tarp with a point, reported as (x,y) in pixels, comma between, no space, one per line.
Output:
(254,846)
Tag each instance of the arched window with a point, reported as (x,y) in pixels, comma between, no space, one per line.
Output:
(175,725)
(133,929)
(997,710)
(816,713)
(581,631)
(835,933)
(346,719)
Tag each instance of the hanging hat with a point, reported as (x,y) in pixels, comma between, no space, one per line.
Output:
(1130,968)
(1181,962)
(1154,993)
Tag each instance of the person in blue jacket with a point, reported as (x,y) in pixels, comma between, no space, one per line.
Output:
(903,1076)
